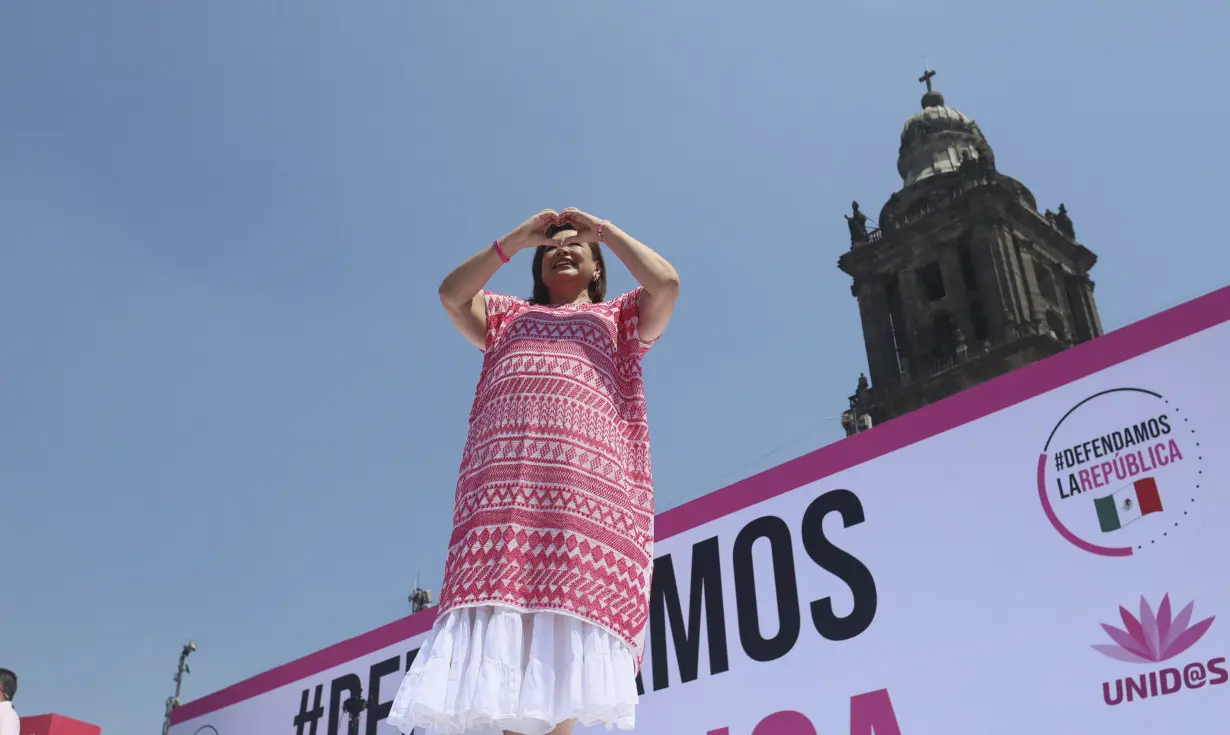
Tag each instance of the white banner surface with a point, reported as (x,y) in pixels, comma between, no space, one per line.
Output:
(1037,554)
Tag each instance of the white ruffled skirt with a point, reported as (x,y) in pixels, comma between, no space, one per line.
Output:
(492,668)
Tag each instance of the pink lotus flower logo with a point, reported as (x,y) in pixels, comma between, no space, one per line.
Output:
(1153,638)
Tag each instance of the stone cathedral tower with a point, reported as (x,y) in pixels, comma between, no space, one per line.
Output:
(964,279)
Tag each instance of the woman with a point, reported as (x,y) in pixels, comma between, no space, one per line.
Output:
(541,621)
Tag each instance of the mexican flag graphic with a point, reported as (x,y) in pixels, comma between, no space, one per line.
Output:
(1128,504)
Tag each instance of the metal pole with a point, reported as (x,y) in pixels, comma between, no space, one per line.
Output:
(420,599)
(180,671)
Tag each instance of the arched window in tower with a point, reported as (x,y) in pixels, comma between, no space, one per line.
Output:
(944,331)
(1046,282)
(932,282)
(966,254)
(896,318)
(978,317)
(1055,322)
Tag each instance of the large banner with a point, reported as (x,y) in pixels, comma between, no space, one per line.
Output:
(1041,553)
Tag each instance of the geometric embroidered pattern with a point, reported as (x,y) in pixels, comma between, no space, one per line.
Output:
(554,506)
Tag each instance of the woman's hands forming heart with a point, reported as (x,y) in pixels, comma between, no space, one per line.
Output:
(533,232)
(587,226)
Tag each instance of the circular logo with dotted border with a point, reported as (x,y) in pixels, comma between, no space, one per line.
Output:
(1121,472)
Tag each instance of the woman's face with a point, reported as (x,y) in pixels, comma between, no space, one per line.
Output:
(568,267)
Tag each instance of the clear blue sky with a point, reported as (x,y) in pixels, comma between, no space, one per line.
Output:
(231,408)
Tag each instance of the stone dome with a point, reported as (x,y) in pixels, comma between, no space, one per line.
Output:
(937,139)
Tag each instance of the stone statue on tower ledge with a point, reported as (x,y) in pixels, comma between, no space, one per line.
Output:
(857,224)
(1064,223)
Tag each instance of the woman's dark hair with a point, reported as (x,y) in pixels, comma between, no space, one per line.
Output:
(8,682)
(597,287)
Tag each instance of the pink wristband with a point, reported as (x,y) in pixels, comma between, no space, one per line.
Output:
(499,251)
(601,226)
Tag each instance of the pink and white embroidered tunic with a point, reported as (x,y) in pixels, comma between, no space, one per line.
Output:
(554,507)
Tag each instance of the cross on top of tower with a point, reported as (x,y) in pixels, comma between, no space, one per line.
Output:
(931,98)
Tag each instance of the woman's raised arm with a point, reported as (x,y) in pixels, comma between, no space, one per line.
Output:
(461,292)
(659,280)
